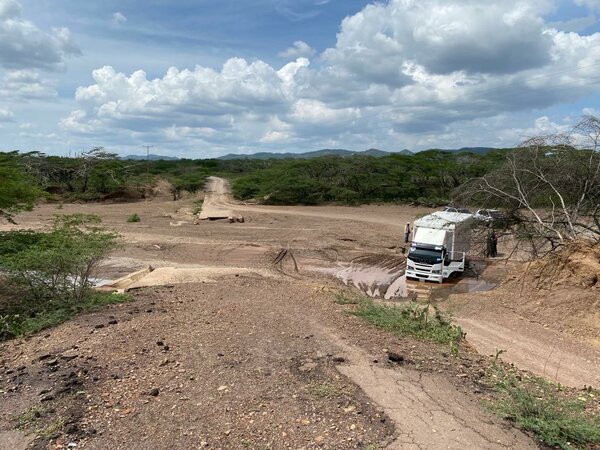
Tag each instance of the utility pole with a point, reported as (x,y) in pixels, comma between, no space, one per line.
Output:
(148,147)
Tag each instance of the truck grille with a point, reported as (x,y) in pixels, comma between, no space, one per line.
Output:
(420,260)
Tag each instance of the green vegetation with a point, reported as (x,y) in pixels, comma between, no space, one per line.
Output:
(412,319)
(17,190)
(98,175)
(324,390)
(47,274)
(41,421)
(425,178)
(48,316)
(133,218)
(536,405)
(197,207)
(346,298)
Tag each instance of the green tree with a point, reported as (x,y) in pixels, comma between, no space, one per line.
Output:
(17,190)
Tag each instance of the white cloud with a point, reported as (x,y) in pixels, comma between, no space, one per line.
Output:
(443,37)
(274,136)
(591,112)
(317,113)
(5,114)
(408,71)
(118,18)
(298,50)
(9,9)
(24,46)
(25,84)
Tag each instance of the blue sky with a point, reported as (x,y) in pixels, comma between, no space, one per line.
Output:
(204,78)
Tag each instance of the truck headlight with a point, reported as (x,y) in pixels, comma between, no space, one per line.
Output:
(436,272)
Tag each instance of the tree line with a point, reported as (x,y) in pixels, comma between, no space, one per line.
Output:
(427,177)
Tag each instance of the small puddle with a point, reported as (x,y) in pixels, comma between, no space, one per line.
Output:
(99,282)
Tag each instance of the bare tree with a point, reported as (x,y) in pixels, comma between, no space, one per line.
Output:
(549,184)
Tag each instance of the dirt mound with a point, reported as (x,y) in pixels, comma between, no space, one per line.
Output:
(575,265)
(125,195)
(162,189)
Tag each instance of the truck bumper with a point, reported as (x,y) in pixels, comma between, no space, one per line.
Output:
(422,275)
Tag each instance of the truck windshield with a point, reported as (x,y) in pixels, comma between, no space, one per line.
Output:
(425,255)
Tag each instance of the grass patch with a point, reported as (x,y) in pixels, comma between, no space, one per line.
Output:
(536,405)
(324,390)
(197,207)
(347,298)
(134,218)
(20,325)
(29,419)
(36,420)
(413,320)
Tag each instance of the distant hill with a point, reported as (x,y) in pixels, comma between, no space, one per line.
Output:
(479,150)
(315,154)
(151,157)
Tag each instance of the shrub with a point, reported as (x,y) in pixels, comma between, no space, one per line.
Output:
(47,274)
(56,265)
(197,207)
(133,218)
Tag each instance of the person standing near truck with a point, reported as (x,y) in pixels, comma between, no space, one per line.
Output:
(407,232)
(494,242)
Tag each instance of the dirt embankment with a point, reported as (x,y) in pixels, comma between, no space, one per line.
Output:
(545,314)
(562,291)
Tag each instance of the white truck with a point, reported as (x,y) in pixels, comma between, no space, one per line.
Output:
(439,246)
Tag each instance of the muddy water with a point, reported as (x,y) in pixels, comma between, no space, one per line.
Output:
(383,276)
(377,276)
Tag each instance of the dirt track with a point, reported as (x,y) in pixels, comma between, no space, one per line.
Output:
(257,357)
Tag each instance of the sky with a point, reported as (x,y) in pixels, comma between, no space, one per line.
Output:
(204,78)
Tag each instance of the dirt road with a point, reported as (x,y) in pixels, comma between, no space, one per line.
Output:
(215,205)
(235,354)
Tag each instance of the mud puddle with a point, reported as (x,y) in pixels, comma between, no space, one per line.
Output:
(383,276)
(378,276)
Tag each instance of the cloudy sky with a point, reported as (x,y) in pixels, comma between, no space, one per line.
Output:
(202,78)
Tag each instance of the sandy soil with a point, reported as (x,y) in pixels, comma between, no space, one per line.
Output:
(226,349)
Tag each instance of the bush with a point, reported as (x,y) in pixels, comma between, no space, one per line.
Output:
(133,218)
(47,274)
(197,207)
